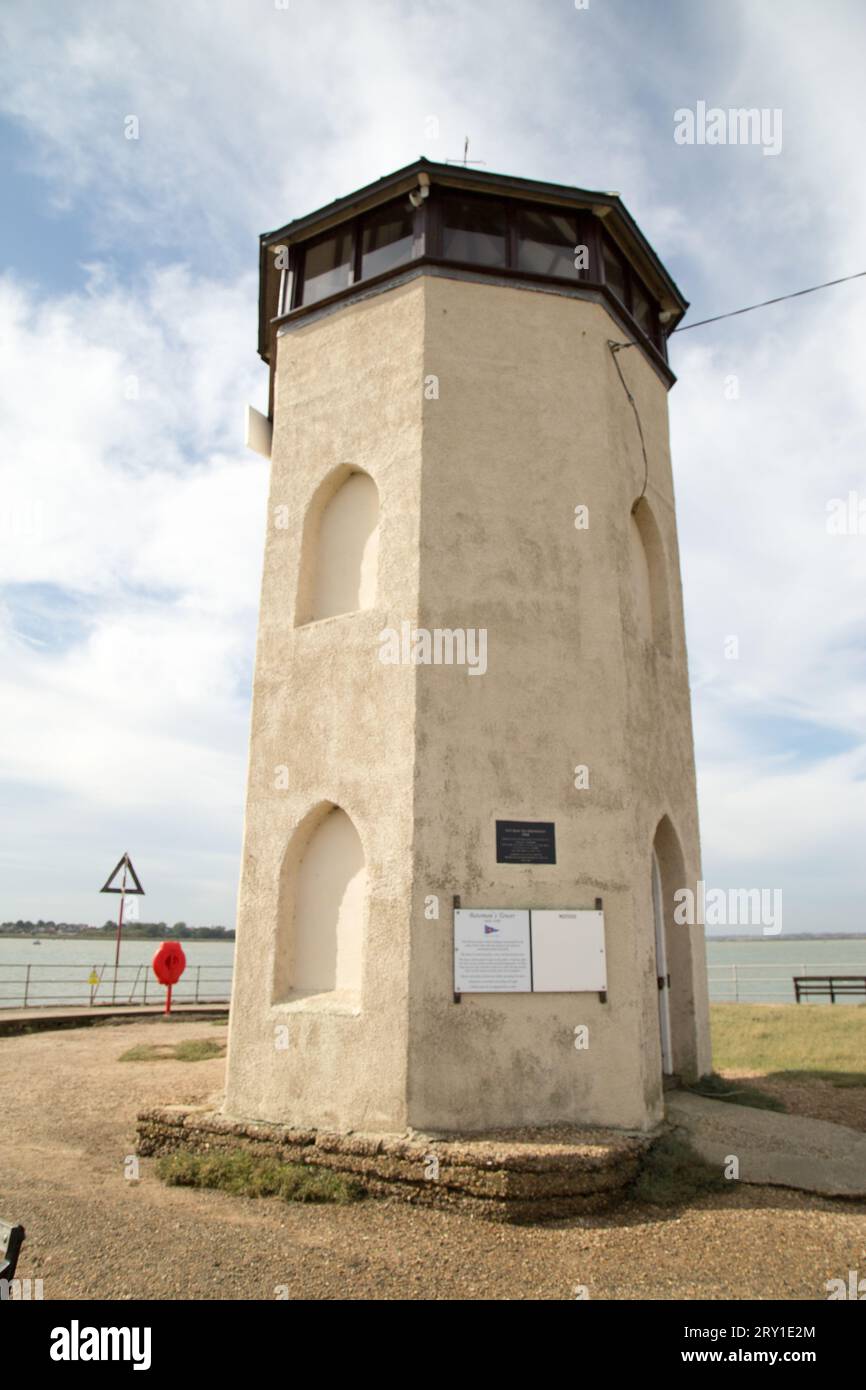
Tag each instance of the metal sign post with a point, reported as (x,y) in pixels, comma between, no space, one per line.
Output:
(125,864)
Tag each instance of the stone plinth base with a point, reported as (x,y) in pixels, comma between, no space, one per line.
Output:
(508,1175)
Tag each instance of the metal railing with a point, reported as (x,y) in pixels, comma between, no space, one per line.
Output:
(30,985)
(25,985)
(767,982)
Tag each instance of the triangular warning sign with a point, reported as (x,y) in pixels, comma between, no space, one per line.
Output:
(126,862)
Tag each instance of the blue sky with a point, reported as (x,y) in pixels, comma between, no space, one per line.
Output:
(132,521)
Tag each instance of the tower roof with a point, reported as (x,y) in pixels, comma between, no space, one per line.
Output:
(623,268)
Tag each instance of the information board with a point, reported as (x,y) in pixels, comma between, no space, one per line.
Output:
(568,951)
(522,951)
(491,951)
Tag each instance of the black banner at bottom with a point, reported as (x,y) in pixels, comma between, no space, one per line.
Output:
(152,1338)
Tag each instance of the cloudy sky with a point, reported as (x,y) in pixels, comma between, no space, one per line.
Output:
(131,518)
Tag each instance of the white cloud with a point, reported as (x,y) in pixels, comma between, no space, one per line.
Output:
(129,699)
(250,115)
(121,408)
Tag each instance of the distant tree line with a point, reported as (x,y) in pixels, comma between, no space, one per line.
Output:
(142,931)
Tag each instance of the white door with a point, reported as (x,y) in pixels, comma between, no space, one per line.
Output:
(662,976)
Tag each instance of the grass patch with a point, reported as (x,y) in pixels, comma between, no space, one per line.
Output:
(147,1052)
(673,1173)
(253,1175)
(817,1042)
(199,1049)
(192,1050)
(716,1087)
(842,1079)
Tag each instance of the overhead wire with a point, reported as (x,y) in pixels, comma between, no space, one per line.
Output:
(616,347)
(779,299)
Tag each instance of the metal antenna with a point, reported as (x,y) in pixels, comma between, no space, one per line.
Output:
(466,161)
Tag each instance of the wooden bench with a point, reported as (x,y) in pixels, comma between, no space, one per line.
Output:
(11,1239)
(806,985)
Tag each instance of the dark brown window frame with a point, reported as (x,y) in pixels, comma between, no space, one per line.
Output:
(427,250)
(657,338)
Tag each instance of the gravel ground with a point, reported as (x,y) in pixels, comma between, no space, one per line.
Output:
(69,1109)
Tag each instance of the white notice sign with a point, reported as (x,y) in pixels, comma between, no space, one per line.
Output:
(491,951)
(568,951)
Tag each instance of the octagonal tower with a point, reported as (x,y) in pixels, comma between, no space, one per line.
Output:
(471,686)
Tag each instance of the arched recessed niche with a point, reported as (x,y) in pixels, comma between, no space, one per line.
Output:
(340,550)
(649,577)
(322,910)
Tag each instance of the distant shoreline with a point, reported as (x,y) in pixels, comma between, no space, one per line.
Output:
(191,934)
(134,933)
(794,936)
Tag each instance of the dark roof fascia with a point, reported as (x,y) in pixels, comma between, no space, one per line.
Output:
(264,336)
(371,193)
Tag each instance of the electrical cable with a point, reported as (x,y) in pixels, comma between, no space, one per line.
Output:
(614,349)
(795,294)
(748,309)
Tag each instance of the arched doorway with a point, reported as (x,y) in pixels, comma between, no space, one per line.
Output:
(663,976)
(673,956)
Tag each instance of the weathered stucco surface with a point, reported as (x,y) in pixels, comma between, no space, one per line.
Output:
(477,493)
(340,723)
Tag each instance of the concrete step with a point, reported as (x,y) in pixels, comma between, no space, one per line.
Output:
(773,1149)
